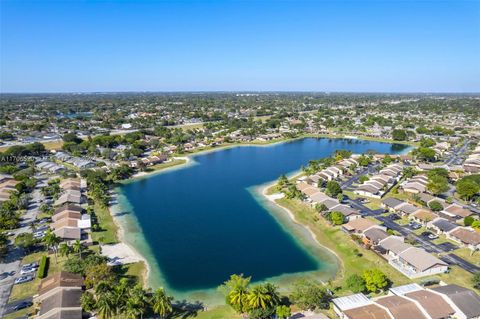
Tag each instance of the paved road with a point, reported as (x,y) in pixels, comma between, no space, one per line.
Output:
(425,243)
(457,153)
(12,261)
(10,307)
(368,170)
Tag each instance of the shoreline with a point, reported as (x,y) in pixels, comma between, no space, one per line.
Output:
(120,234)
(272,198)
(190,161)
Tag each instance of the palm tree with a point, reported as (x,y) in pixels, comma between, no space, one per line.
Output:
(51,241)
(77,248)
(105,306)
(64,249)
(271,290)
(161,303)
(259,298)
(133,309)
(138,297)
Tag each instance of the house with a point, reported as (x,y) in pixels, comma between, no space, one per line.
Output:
(465,302)
(430,303)
(374,235)
(455,211)
(348,212)
(407,209)
(69,233)
(467,237)
(358,306)
(415,262)
(70,197)
(415,185)
(359,225)
(423,216)
(391,203)
(59,296)
(401,308)
(392,246)
(441,226)
(368,191)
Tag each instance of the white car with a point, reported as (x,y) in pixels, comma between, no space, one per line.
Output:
(26,271)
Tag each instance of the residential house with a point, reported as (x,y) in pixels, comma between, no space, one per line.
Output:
(415,262)
(465,302)
(423,216)
(401,308)
(466,236)
(391,204)
(359,226)
(454,212)
(358,306)
(441,226)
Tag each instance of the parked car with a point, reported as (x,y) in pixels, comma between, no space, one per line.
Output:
(393,217)
(26,271)
(31,265)
(22,305)
(414,225)
(23,279)
(432,236)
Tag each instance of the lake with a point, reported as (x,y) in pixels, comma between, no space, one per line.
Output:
(199,224)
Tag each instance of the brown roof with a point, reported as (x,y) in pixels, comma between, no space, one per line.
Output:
(401,308)
(69,207)
(69,233)
(65,314)
(59,279)
(466,236)
(65,222)
(367,312)
(360,224)
(66,214)
(433,304)
(65,298)
(458,210)
(425,215)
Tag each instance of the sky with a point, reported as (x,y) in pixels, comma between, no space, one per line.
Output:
(332,46)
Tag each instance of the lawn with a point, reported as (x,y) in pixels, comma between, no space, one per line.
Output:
(215,313)
(164,165)
(28,289)
(108,232)
(466,254)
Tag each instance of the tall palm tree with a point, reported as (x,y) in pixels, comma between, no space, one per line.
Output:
(161,303)
(259,298)
(138,297)
(64,249)
(51,241)
(77,248)
(133,309)
(271,290)
(105,306)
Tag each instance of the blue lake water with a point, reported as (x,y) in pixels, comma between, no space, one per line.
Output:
(199,224)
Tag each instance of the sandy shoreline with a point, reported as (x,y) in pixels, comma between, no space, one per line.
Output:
(273,197)
(130,253)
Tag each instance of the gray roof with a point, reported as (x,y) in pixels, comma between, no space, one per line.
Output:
(444,225)
(65,298)
(394,244)
(465,299)
(375,234)
(392,202)
(420,259)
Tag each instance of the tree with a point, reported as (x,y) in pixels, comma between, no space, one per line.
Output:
(362,179)
(476,225)
(77,248)
(282,182)
(375,280)
(161,303)
(236,292)
(437,184)
(87,301)
(309,295)
(64,249)
(333,188)
(97,273)
(427,142)
(467,188)
(426,154)
(356,283)
(399,135)
(468,221)
(259,298)
(476,280)
(283,312)
(51,241)
(436,206)
(25,241)
(105,305)
(337,218)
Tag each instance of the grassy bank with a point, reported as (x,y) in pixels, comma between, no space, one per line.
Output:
(353,258)
(108,233)
(164,165)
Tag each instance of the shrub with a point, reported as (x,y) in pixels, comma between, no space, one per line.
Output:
(43,267)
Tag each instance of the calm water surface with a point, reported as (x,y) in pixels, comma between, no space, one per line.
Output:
(200,224)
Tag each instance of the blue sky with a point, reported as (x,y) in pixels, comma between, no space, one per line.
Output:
(375,46)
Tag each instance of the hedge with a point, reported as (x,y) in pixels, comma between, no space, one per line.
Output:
(43,268)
